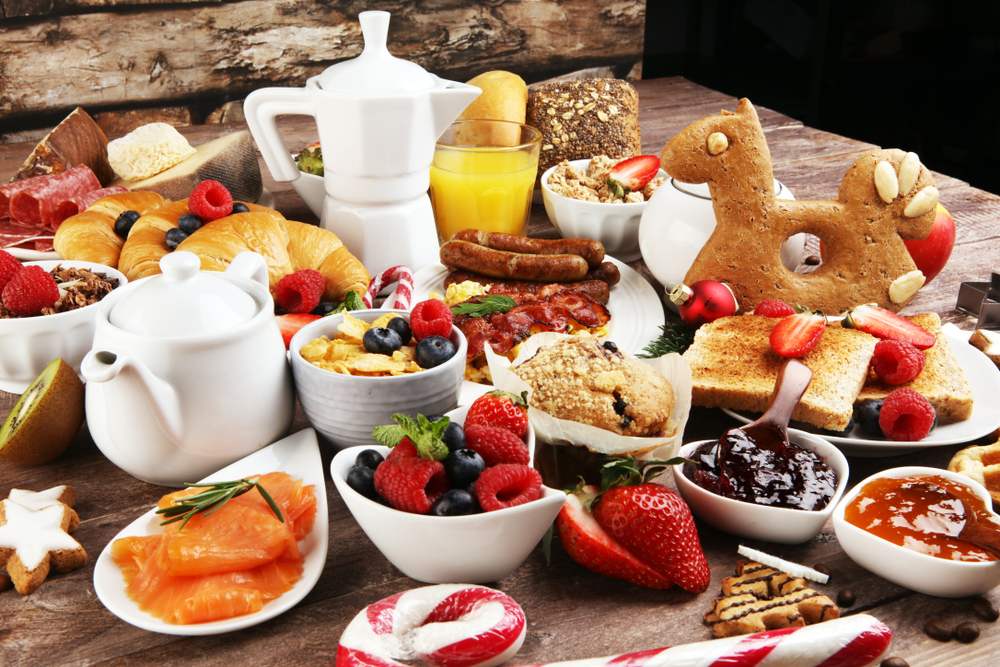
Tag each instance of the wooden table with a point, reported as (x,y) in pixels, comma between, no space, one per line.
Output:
(572,612)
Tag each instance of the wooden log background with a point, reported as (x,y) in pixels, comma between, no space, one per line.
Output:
(116,55)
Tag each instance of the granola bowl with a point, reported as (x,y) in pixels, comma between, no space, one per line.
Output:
(28,344)
(616,226)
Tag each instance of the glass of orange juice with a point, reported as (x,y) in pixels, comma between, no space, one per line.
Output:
(483,175)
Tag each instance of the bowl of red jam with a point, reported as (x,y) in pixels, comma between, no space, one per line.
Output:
(902,524)
(763,491)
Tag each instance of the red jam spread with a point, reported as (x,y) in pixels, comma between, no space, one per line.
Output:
(771,472)
(922,513)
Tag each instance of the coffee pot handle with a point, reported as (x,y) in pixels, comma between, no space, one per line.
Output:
(261,107)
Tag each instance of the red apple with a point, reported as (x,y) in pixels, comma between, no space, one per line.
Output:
(932,253)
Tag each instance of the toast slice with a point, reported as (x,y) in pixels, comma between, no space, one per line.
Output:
(733,366)
(941,382)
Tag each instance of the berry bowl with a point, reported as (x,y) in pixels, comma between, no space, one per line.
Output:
(917,571)
(345,408)
(762,522)
(476,548)
(28,344)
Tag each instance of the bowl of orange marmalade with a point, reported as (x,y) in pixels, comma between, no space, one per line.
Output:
(903,525)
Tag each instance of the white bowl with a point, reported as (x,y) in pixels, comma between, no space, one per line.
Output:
(346,408)
(478,548)
(312,190)
(916,571)
(616,226)
(762,522)
(28,344)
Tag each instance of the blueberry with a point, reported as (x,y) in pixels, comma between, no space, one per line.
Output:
(868,413)
(455,502)
(369,459)
(362,480)
(381,340)
(190,223)
(454,437)
(175,236)
(240,207)
(324,308)
(609,346)
(402,327)
(846,431)
(463,467)
(124,222)
(434,351)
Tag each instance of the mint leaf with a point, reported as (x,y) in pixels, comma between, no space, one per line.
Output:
(425,435)
(389,435)
(351,302)
(484,305)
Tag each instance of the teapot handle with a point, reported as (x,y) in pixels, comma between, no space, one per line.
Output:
(249,264)
(261,107)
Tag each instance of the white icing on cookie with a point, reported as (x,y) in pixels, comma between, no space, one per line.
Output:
(994,338)
(34,533)
(36,500)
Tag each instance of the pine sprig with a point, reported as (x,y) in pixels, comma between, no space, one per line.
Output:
(675,338)
(215,496)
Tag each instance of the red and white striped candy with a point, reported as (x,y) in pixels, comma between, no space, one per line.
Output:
(404,290)
(450,625)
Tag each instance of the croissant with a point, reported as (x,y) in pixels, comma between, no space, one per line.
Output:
(90,235)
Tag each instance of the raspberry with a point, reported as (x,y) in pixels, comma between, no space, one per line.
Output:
(906,415)
(9,265)
(210,200)
(430,318)
(405,449)
(495,445)
(411,485)
(773,308)
(501,409)
(301,291)
(31,289)
(508,485)
(896,361)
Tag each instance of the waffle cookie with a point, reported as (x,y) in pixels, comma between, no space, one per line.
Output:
(987,342)
(981,463)
(761,598)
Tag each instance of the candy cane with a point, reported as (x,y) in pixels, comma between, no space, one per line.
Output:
(404,290)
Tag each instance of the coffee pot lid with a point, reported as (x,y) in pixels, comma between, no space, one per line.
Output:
(375,72)
(183,301)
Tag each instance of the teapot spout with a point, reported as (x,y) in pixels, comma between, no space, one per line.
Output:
(449,101)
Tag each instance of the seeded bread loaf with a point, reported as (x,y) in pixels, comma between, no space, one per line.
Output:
(733,366)
(581,119)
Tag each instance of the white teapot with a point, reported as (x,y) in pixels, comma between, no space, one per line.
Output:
(378,119)
(188,370)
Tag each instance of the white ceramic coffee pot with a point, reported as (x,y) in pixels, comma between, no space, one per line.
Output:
(378,119)
(188,372)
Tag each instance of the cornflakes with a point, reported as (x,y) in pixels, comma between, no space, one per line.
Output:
(346,353)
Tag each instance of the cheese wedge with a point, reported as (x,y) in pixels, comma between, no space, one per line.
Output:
(76,140)
(147,151)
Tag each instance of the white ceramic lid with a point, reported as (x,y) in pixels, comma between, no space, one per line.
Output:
(376,71)
(183,301)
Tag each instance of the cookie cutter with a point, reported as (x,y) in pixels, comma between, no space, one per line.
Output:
(982,300)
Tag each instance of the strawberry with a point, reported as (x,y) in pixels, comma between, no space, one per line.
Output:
(773,308)
(632,174)
(591,546)
(887,325)
(290,324)
(795,335)
(501,409)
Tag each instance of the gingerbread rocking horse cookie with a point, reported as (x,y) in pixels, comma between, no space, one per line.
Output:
(886,196)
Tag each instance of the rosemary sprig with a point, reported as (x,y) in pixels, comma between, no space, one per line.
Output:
(484,305)
(675,338)
(216,495)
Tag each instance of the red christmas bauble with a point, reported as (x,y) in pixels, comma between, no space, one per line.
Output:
(705,301)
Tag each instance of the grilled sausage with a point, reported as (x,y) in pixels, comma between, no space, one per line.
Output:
(513,265)
(606,272)
(590,250)
(597,290)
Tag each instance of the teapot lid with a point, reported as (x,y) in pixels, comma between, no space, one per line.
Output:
(183,301)
(376,71)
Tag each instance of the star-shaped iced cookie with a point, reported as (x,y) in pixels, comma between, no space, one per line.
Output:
(36,500)
(34,541)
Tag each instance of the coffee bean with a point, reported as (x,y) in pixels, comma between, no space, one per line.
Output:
(939,630)
(823,568)
(985,610)
(967,632)
(846,598)
(894,662)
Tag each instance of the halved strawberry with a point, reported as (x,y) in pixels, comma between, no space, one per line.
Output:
(795,335)
(887,325)
(632,174)
(291,323)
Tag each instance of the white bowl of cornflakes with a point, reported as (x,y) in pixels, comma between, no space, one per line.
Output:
(345,408)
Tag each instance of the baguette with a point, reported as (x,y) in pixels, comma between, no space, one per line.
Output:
(90,235)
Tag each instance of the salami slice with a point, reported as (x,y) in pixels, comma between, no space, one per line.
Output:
(37,205)
(70,207)
(8,190)
(31,238)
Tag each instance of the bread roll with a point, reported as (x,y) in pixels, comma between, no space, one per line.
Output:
(504,97)
(90,236)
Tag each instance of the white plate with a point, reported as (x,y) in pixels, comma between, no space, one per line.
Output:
(298,455)
(984,380)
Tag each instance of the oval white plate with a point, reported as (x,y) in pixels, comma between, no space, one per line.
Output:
(298,455)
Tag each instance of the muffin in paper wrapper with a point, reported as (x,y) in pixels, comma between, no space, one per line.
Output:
(673,367)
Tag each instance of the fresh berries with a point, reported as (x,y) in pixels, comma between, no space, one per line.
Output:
(464,466)
(887,325)
(210,200)
(632,174)
(411,484)
(906,416)
(362,480)
(868,416)
(508,485)
(796,335)
(189,223)
(433,351)
(430,318)
(381,340)
(240,207)
(773,308)
(174,237)
(300,292)
(496,445)
(124,222)
(289,325)
(455,502)
(29,291)
(896,361)
(501,409)
(401,327)
(9,265)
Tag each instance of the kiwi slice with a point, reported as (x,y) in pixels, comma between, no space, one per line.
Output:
(46,417)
